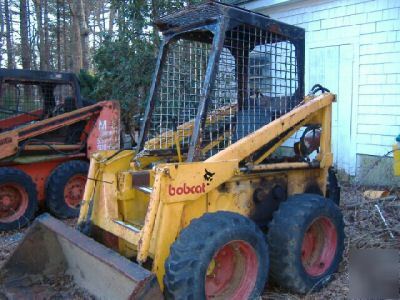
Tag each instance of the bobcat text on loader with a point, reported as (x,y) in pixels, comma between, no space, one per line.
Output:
(47,133)
(209,205)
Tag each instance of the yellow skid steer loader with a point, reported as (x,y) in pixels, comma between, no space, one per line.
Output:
(209,205)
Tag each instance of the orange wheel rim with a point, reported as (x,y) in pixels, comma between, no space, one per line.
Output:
(13,202)
(232,272)
(74,189)
(319,246)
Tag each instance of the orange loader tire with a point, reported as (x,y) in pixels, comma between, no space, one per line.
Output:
(65,188)
(18,199)
(220,255)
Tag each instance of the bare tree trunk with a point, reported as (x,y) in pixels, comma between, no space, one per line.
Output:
(98,19)
(46,36)
(25,45)
(103,17)
(34,42)
(31,36)
(111,21)
(83,18)
(74,6)
(66,49)
(154,14)
(10,50)
(58,34)
(41,43)
(1,32)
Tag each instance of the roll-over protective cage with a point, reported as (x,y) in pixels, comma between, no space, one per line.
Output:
(222,73)
(33,95)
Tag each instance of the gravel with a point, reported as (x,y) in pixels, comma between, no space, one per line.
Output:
(8,241)
(364,229)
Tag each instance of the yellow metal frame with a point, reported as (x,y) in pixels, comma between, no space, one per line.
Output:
(148,219)
(396,162)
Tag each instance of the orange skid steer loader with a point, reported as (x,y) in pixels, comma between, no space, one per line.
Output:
(47,133)
(209,205)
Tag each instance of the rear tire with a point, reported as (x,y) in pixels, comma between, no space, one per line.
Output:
(221,255)
(333,188)
(306,240)
(65,187)
(18,199)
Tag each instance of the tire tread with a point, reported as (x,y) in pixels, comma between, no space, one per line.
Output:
(55,188)
(186,252)
(285,235)
(6,175)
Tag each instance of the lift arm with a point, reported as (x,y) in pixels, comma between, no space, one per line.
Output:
(248,145)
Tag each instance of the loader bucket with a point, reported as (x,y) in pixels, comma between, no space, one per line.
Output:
(50,247)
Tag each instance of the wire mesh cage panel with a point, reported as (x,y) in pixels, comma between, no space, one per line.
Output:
(256,83)
(224,72)
(179,94)
(36,101)
(18,99)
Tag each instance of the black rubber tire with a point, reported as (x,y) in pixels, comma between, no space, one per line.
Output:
(285,238)
(19,177)
(333,188)
(193,250)
(55,201)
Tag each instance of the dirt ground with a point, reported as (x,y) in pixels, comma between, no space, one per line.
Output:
(364,229)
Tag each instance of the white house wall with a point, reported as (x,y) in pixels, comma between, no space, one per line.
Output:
(353,47)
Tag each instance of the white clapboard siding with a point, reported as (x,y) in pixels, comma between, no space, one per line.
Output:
(353,47)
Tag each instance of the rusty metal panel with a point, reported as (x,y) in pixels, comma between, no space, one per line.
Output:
(105,134)
(50,247)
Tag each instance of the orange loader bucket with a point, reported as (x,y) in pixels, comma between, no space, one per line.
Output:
(51,248)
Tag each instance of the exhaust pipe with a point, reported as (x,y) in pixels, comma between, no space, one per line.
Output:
(51,248)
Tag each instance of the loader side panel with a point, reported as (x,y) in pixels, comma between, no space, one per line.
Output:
(105,134)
